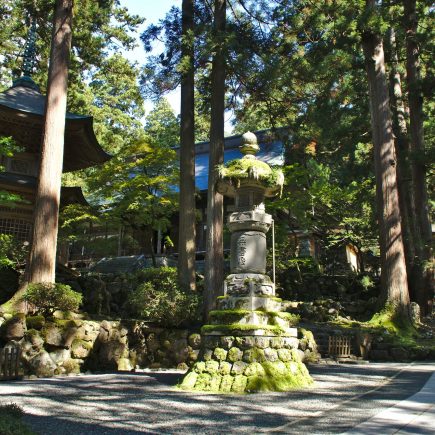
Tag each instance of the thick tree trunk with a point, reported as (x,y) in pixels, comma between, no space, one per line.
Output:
(187,230)
(403,150)
(214,260)
(393,268)
(42,259)
(423,233)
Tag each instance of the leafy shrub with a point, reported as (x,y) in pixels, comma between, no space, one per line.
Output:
(10,420)
(48,297)
(161,300)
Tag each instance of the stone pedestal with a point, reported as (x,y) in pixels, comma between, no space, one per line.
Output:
(249,344)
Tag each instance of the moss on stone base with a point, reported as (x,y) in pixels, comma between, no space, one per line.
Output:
(236,327)
(256,377)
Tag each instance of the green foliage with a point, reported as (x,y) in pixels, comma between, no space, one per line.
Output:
(11,251)
(161,300)
(8,148)
(49,297)
(10,421)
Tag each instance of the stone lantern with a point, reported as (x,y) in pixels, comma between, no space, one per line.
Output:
(249,345)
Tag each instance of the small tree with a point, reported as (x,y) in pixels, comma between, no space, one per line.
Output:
(48,297)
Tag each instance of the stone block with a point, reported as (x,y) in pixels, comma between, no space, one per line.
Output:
(262,342)
(234,354)
(226,342)
(220,354)
(199,367)
(225,368)
(254,355)
(270,354)
(239,384)
(254,369)
(226,383)
(211,367)
(189,381)
(245,342)
(238,368)
(285,355)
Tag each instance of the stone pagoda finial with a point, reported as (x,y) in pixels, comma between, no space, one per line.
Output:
(249,146)
(29,59)
(29,56)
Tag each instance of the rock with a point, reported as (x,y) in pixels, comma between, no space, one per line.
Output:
(189,381)
(42,365)
(254,369)
(270,354)
(239,384)
(195,340)
(52,335)
(60,356)
(254,355)
(124,365)
(226,342)
(182,366)
(224,368)
(284,355)
(220,354)
(80,348)
(234,354)
(110,353)
(238,368)
(14,328)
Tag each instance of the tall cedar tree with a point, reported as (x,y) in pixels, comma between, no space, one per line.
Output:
(423,234)
(42,258)
(403,152)
(187,233)
(214,260)
(394,286)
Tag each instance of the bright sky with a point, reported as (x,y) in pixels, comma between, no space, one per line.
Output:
(152,11)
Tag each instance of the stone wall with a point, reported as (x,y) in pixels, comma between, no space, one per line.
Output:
(60,346)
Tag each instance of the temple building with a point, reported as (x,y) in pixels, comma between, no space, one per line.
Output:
(22,109)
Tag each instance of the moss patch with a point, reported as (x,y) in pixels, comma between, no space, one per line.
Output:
(232,328)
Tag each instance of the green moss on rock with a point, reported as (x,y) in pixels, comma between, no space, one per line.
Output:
(239,327)
(189,381)
(234,354)
(239,384)
(220,354)
(35,322)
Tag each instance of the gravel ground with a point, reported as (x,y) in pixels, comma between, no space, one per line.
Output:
(342,397)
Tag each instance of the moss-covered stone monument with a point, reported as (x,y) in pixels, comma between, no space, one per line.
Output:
(250,344)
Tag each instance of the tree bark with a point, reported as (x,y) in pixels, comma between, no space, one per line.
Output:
(187,223)
(394,286)
(403,150)
(214,260)
(423,234)
(42,259)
